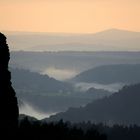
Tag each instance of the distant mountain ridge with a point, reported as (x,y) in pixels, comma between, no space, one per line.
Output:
(112,39)
(107,74)
(121,107)
(117,34)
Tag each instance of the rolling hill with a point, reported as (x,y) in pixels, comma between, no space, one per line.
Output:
(40,92)
(69,62)
(37,83)
(124,73)
(121,107)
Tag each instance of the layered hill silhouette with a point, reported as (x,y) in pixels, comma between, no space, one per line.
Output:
(48,94)
(74,62)
(121,107)
(123,73)
(112,39)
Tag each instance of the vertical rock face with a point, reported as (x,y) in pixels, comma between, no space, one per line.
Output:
(8,101)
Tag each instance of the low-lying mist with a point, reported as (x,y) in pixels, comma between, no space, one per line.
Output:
(114,87)
(60,74)
(28,109)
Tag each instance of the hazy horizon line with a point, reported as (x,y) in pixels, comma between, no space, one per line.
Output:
(73,33)
(71,51)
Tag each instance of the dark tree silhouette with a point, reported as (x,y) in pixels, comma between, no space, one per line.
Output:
(8,101)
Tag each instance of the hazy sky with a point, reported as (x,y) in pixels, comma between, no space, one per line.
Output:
(78,16)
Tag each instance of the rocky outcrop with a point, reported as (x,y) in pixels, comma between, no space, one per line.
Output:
(8,101)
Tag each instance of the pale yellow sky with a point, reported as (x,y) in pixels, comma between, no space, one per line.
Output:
(74,16)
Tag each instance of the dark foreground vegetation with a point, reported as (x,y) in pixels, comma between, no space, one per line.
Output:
(57,130)
(78,131)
